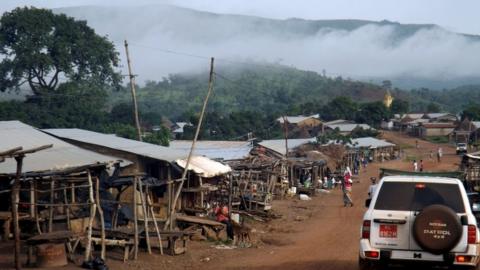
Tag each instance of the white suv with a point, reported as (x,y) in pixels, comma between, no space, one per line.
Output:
(419,219)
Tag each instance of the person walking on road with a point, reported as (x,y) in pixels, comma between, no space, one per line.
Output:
(421,165)
(347,188)
(415,166)
(439,154)
(373,186)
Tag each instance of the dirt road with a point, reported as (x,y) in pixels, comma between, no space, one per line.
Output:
(316,234)
(329,238)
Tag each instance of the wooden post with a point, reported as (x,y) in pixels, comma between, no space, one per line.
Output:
(170,194)
(37,220)
(145,217)
(201,191)
(72,191)
(92,217)
(67,208)
(184,174)
(32,198)
(154,218)
(135,218)
(230,188)
(50,210)
(285,135)
(134,96)
(102,220)
(15,200)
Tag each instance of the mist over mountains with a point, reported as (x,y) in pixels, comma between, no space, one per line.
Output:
(167,39)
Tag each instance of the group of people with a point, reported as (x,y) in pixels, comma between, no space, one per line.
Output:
(418,167)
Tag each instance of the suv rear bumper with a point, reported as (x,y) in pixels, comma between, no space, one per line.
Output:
(404,256)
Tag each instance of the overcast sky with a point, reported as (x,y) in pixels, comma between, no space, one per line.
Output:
(458,16)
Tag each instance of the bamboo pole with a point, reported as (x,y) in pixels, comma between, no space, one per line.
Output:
(169,194)
(102,220)
(154,218)
(135,218)
(32,198)
(15,200)
(145,217)
(37,220)
(50,210)
(67,208)
(90,220)
(199,125)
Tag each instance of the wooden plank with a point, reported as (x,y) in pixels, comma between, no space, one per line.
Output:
(199,220)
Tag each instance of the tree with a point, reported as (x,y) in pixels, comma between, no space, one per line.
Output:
(400,106)
(339,108)
(39,47)
(387,85)
(161,137)
(472,112)
(373,113)
(334,136)
(433,108)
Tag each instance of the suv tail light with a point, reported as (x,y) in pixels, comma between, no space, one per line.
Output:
(472,234)
(366,229)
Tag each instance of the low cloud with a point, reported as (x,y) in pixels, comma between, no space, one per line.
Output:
(159,35)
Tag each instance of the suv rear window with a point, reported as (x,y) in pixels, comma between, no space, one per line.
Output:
(407,196)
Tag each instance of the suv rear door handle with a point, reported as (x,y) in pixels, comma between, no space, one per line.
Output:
(390,221)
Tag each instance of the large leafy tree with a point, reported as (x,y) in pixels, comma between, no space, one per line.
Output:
(41,48)
(339,108)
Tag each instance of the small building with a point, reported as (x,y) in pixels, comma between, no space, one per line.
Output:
(471,167)
(440,117)
(346,128)
(435,129)
(162,163)
(178,128)
(467,132)
(374,148)
(278,148)
(301,121)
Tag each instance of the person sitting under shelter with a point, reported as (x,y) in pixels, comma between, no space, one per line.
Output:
(222,216)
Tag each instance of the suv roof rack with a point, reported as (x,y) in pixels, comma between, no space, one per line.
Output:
(451,174)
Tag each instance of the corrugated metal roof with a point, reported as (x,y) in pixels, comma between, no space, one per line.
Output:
(297,119)
(370,142)
(59,157)
(438,115)
(348,127)
(118,143)
(225,150)
(279,145)
(338,121)
(204,166)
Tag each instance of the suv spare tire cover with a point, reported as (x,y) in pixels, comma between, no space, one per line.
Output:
(437,229)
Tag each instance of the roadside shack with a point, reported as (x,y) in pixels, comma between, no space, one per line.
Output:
(57,190)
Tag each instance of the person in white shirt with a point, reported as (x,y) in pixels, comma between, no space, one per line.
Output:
(415,166)
(373,186)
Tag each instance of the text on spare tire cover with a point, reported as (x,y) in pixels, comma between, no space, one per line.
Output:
(438,230)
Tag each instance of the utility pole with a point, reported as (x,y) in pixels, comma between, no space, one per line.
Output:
(190,154)
(134,95)
(285,133)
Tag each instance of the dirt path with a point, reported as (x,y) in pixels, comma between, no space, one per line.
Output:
(316,234)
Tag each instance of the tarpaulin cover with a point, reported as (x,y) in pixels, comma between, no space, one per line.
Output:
(204,166)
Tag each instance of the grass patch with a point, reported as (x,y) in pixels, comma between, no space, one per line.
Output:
(405,146)
(438,139)
(412,158)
